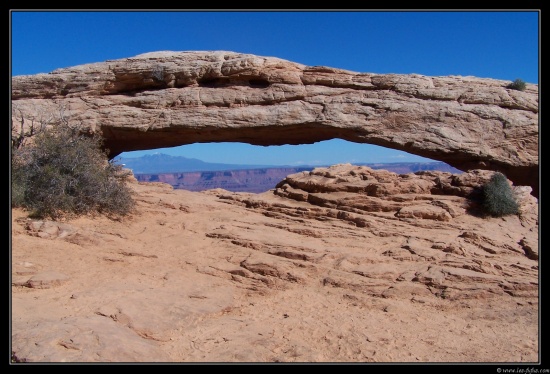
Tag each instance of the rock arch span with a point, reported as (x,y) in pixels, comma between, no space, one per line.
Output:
(165,99)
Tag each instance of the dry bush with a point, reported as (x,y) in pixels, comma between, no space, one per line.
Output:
(498,197)
(64,172)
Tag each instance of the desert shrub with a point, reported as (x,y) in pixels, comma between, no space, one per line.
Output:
(518,85)
(498,197)
(65,172)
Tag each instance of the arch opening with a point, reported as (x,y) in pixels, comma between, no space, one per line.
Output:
(242,167)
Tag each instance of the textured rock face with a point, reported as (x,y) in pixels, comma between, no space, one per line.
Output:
(353,191)
(165,99)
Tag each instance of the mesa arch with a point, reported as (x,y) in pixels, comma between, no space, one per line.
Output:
(166,99)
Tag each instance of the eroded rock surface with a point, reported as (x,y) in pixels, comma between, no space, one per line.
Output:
(165,99)
(341,264)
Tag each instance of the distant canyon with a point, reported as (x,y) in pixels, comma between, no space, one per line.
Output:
(258,180)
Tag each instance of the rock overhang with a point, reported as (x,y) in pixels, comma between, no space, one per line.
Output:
(166,99)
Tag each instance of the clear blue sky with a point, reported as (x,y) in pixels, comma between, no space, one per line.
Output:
(487,44)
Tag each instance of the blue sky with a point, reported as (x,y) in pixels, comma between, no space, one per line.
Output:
(486,44)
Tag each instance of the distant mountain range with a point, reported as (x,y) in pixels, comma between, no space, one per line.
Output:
(196,175)
(163,163)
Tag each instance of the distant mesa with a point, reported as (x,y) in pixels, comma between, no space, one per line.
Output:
(167,99)
(160,163)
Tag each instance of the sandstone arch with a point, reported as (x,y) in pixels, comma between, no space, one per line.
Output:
(165,99)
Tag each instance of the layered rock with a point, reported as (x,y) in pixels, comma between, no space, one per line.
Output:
(434,195)
(166,99)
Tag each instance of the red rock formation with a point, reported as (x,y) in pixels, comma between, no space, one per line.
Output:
(165,99)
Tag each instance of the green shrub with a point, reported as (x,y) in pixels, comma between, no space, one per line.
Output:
(498,197)
(518,85)
(64,172)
